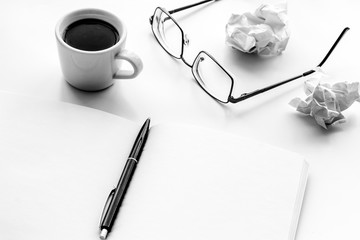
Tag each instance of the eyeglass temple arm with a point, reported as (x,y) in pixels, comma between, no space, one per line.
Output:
(183,8)
(256,92)
(189,6)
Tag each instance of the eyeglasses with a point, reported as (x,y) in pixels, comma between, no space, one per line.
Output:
(214,79)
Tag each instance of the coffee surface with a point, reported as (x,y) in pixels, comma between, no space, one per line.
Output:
(91,35)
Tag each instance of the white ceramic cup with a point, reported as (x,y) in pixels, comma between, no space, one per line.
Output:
(95,70)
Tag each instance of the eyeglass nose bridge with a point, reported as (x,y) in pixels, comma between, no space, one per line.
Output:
(186,63)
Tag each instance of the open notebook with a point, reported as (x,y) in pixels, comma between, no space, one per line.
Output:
(59,161)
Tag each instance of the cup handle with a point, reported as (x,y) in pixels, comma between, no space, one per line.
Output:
(135,62)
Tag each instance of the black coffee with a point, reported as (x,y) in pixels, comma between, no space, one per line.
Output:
(91,34)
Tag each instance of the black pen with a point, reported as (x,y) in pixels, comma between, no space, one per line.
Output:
(116,195)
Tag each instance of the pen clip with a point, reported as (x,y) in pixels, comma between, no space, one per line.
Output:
(106,206)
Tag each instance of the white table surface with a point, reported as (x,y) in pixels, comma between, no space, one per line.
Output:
(167,92)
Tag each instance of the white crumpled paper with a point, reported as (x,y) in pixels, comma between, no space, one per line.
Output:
(264,32)
(325,102)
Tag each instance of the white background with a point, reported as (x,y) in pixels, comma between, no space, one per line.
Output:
(167,92)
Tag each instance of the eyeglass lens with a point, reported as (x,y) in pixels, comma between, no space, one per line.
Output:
(167,33)
(212,77)
(207,72)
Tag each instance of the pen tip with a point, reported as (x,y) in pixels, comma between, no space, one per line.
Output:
(103,234)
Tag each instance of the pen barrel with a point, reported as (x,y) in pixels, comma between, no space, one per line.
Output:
(119,194)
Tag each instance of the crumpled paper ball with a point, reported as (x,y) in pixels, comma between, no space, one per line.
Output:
(264,32)
(325,102)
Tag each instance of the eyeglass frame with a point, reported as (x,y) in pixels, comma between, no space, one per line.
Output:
(230,98)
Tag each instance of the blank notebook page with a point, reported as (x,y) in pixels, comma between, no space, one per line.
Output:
(58,163)
(193,183)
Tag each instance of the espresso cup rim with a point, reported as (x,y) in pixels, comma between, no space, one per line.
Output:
(93,13)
